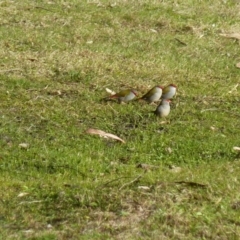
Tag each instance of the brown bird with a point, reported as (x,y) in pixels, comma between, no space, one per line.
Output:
(124,95)
(153,94)
(163,109)
(169,91)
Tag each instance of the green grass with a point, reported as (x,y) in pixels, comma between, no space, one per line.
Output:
(57,60)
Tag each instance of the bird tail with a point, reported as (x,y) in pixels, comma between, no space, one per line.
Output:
(108,98)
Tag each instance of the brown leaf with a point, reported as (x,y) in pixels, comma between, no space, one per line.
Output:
(213,128)
(238,65)
(23,145)
(110,91)
(236,149)
(22,194)
(104,134)
(153,30)
(169,150)
(231,35)
(144,188)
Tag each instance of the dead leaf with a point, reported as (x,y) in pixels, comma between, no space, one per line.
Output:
(28,231)
(23,145)
(89,42)
(213,128)
(144,188)
(104,134)
(110,91)
(205,102)
(236,149)
(231,35)
(164,122)
(113,5)
(22,194)
(153,30)
(49,226)
(169,150)
(218,200)
(238,65)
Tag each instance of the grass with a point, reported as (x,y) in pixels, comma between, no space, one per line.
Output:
(178,180)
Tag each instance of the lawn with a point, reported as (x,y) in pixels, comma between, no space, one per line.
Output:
(173,178)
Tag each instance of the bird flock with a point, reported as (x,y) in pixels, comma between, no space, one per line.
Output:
(153,95)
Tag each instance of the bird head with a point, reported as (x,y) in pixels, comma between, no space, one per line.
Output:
(166,101)
(173,85)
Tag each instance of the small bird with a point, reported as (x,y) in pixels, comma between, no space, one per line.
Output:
(169,91)
(163,108)
(124,95)
(153,94)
